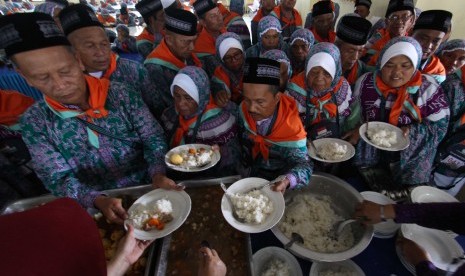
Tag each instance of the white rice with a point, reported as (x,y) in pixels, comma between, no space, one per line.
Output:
(332,151)
(195,160)
(382,137)
(276,267)
(253,206)
(313,218)
(140,213)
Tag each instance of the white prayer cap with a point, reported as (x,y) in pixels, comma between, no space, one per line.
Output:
(400,48)
(227,44)
(324,60)
(187,84)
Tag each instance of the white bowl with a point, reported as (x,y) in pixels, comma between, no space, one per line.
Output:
(245,185)
(425,194)
(262,257)
(317,267)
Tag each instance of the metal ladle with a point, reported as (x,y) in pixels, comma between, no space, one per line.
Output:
(295,237)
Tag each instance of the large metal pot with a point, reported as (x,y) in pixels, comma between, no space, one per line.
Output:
(344,197)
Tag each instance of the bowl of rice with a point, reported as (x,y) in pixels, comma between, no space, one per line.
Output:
(313,210)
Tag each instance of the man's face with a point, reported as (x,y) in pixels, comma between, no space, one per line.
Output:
(399,23)
(362,10)
(234,59)
(157,21)
(268,5)
(92,47)
(397,71)
(288,4)
(213,20)
(453,60)
(429,41)
(299,50)
(270,40)
(56,72)
(323,23)
(350,54)
(180,45)
(260,101)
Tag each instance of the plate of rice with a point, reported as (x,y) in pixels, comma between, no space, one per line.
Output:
(384,136)
(272,261)
(158,213)
(261,209)
(192,158)
(331,150)
(344,268)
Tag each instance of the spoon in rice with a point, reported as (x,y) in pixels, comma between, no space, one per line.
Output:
(295,237)
(233,207)
(337,228)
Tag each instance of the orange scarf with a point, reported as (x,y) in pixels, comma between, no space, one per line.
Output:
(434,67)
(327,104)
(402,97)
(146,35)
(331,36)
(205,43)
(379,45)
(296,21)
(112,66)
(287,127)
(12,105)
(163,52)
(353,74)
(98,92)
(184,124)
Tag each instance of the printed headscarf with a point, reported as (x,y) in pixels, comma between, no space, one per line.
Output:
(304,35)
(279,56)
(222,38)
(404,99)
(264,25)
(452,45)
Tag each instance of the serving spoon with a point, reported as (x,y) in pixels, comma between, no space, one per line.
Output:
(337,228)
(233,207)
(295,237)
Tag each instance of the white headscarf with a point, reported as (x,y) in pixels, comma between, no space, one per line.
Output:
(400,48)
(324,60)
(187,84)
(227,44)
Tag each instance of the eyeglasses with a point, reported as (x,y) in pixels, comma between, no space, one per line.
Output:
(396,18)
(237,56)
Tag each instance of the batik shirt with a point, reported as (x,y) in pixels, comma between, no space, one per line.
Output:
(70,166)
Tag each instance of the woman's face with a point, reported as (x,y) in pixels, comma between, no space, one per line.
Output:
(453,60)
(234,59)
(270,40)
(397,71)
(185,104)
(318,79)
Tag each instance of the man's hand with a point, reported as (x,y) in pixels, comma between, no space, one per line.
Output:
(370,212)
(210,263)
(161,181)
(111,208)
(128,252)
(222,98)
(281,185)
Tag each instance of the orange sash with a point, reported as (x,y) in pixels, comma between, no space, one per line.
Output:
(112,66)
(287,127)
(434,67)
(98,92)
(163,52)
(331,36)
(205,43)
(402,97)
(379,45)
(12,105)
(352,77)
(146,35)
(296,21)
(184,124)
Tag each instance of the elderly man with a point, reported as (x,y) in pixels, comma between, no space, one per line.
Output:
(88,38)
(400,17)
(289,17)
(309,18)
(430,30)
(266,7)
(174,53)
(88,135)
(154,18)
(272,136)
(351,37)
(323,22)
(212,24)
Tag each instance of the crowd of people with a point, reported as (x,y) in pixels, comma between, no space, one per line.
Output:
(98,121)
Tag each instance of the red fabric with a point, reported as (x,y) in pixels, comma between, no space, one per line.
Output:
(331,36)
(296,21)
(58,238)
(379,45)
(434,67)
(402,96)
(146,35)
(236,91)
(287,127)
(163,52)
(98,92)
(184,124)
(205,42)
(112,66)
(352,77)
(12,105)
(227,14)
(259,15)
(109,20)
